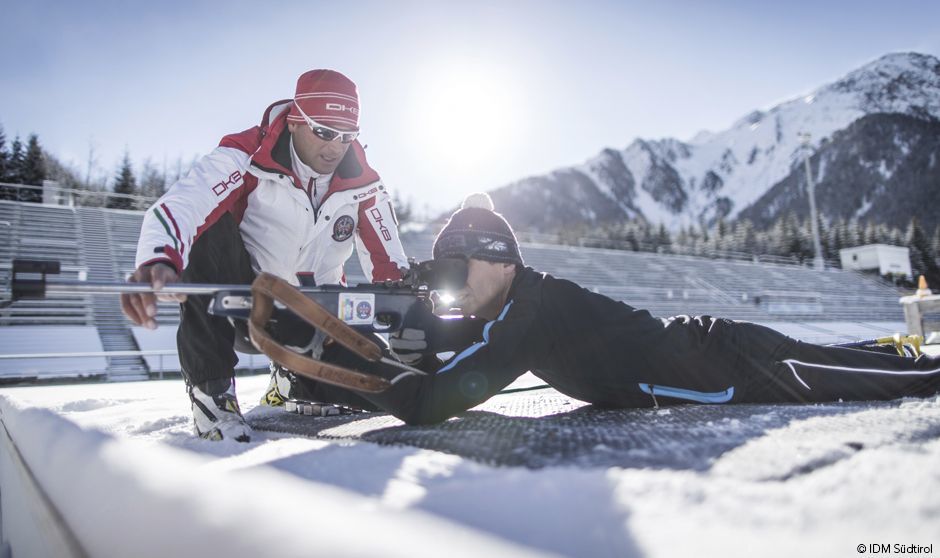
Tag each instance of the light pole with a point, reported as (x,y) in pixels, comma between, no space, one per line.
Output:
(814,219)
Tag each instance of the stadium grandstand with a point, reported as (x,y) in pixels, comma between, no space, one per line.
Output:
(99,244)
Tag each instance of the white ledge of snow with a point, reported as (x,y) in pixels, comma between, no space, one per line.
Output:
(125,497)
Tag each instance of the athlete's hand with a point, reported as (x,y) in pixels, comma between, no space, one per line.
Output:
(408,345)
(141,308)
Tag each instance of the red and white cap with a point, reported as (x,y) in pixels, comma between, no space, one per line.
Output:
(328,97)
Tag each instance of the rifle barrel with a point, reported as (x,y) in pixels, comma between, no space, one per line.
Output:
(70,286)
(65,286)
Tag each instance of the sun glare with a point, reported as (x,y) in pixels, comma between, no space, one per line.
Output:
(469,112)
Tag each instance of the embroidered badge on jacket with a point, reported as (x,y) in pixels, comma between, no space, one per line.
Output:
(343,228)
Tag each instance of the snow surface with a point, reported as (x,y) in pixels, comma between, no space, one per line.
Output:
(818,486)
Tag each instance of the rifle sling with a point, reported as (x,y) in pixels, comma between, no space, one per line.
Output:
(265,290)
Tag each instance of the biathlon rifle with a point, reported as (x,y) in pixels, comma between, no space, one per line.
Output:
(348,315)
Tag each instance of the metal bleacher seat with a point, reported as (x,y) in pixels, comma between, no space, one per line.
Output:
(34,231)
(672,284)
(124,229)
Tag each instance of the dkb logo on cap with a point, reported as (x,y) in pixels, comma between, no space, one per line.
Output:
(328,97)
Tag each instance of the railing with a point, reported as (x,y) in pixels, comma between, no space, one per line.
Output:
(108,354)
(718,294)
(557,241)
(71,196)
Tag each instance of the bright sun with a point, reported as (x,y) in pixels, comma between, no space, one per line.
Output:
(469,111)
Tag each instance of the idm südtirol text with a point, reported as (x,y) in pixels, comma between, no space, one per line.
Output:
(881,548)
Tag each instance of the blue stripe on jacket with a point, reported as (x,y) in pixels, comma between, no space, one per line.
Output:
(466,353)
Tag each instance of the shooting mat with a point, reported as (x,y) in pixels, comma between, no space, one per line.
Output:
(544,428)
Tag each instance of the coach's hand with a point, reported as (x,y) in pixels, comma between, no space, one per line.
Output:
(141,308)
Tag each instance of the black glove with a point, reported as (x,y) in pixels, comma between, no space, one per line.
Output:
(408,345)
(423,333)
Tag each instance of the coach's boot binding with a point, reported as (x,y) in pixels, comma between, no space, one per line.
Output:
(216,415)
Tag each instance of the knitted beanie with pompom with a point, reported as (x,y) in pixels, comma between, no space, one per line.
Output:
(476,231)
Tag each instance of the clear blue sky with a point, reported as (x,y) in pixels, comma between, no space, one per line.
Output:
(456,96)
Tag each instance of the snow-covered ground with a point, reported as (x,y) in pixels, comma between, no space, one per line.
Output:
(120,463)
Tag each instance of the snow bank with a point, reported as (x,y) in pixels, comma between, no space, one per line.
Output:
(109,496)
(121,463)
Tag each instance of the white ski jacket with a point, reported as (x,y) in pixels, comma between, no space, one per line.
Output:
(250,175)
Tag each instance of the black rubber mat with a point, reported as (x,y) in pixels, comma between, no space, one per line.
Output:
(544,428)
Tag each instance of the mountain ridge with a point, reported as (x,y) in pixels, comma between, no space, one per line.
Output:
(723,175)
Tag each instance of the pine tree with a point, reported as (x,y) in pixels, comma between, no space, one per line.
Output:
(787,237)
(802,244)
(853,234)
(14,173)
(761,244)
(870,234)
(896,237)
(923,258)
(835,238)
(34,169)
(646,237)
(124,183)
(6,193)
(663,239)
(4,156)
(881,234)
(681,243)
(720,238)
(695,241)
(630,237)
(15,169)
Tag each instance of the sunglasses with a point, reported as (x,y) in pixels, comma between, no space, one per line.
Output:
(326,133)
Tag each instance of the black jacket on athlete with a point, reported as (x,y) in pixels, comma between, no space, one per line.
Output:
(604,352)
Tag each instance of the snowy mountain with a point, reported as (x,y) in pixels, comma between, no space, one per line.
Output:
(873,138)
(884,168)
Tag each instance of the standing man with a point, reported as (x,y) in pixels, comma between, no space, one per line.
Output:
(605,352)
(291,197)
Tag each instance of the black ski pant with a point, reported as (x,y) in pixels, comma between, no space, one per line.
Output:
(751,364)
(782,369)
(743,362)
(207,343)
